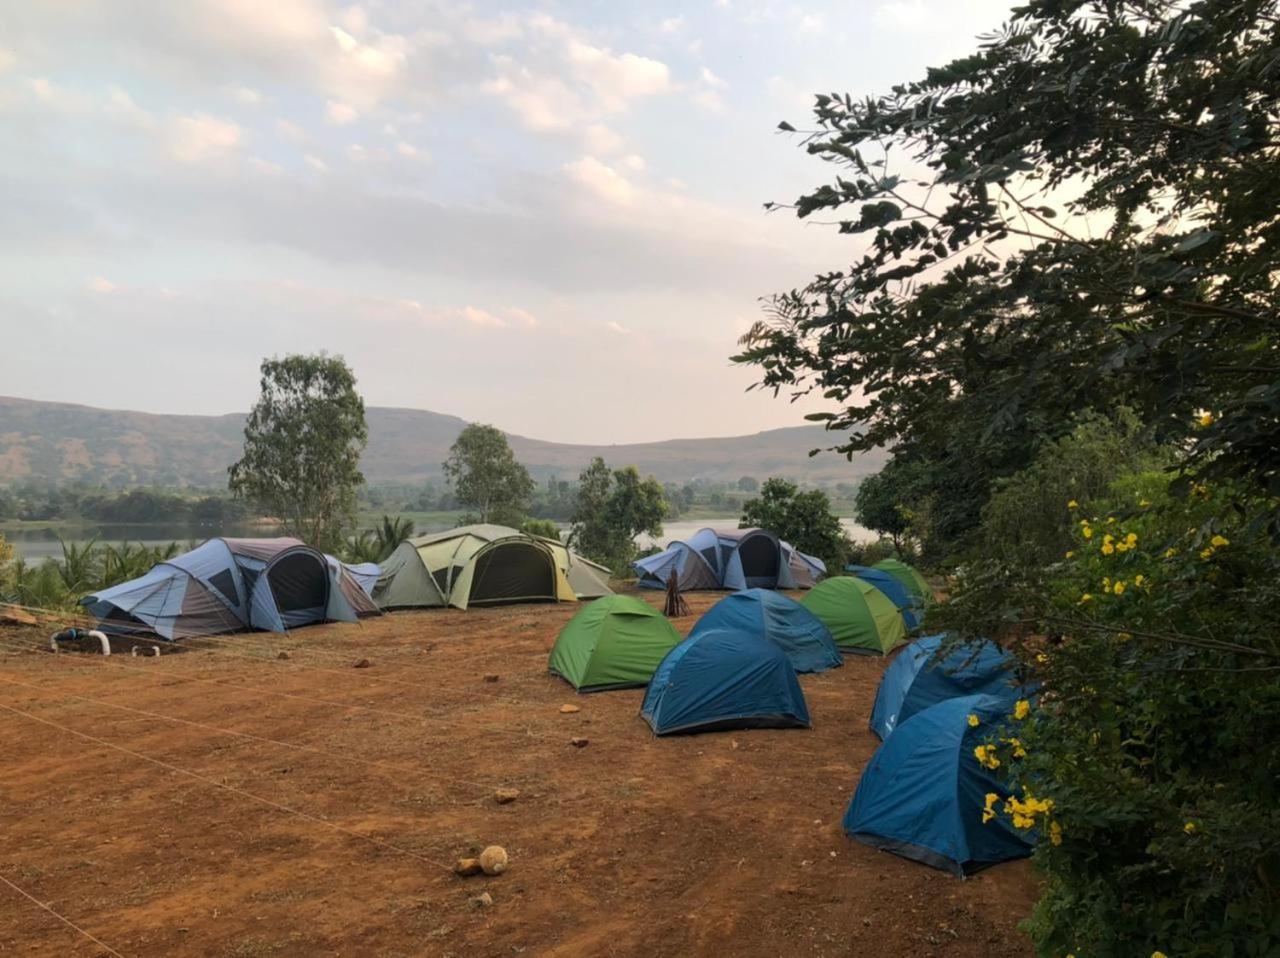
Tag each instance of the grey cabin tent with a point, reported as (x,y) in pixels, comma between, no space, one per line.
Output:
(230,585)
(734,559)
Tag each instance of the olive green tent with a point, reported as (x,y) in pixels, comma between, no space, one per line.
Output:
(614,643)
(485,565)
(911,580)
(860,617)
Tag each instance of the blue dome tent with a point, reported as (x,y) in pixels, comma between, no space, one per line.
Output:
(723,679)
(923,793)
(921,676)
(783,621)
(733,559)
(894,591)
(230,585)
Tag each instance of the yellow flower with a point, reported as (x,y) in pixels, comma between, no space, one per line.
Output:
(1190,828)
(1207,552)
(1021,709)
(1072,504)
(991,799)
(1123,636)
(1055,833)
(1085,598)
(1018,750)
(986,756)
(1111,520)
(987,815)
(1131,539)
(1159,954)
(1170,553)
(1139,579)
(1070,553)
(1042,659)
(1087,532)
(1123,547)
(1219,541)
(973,720)
(1143,503)
(1206,419)
(1107,548)
(1118,588)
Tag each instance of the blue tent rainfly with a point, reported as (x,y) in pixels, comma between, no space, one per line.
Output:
(730,559)
(910,607)
(923,793)
(781,620)
(922,676)
(724,679)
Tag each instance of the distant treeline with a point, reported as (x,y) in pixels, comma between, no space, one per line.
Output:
(36,503)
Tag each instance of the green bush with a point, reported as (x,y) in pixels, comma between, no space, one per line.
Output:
(1157,741)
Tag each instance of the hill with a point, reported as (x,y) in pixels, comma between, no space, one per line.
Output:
(61,442)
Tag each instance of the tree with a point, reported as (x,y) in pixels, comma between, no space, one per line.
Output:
(613,508)
(803,519)
(486,477)
(1040,252)
(543,528)
(748,484)
(302,446)
(881,507)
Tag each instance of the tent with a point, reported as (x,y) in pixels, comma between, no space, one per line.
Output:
(735,559)
(486,565)
(781,620)
(860,617)
(922,795)
(228,585)
(724,679)
(911,580)
(922,676)
(907,602)
(615,642)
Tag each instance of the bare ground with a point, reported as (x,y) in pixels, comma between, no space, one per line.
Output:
(198,841)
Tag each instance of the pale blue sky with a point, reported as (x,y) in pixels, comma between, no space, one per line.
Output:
(566,195)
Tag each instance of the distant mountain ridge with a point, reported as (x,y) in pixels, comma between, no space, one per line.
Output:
(63,442)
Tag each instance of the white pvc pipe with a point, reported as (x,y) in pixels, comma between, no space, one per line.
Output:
(106,644)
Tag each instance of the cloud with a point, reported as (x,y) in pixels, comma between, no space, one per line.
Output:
(617,328)
(315,163)
(193,139)
(671,24)
(617,79)
(634,162)
(406,149)
(100,285)
(601,180)
(600,140)
(246,95)
(288,130)
(339,113)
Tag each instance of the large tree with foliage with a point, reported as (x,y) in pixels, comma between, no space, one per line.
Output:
(614,506)
(486,477)
(803,519)
(302,446)
(1078,216)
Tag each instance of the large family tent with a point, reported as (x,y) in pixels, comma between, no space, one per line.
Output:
(227,585)
(723,679)
(922,676)
(911,580)
(485,565)
(861,618)
(615,642)
(735,559)
(923,793)
(781,620)
(907,602)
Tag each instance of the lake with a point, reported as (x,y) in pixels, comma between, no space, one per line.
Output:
(34,543)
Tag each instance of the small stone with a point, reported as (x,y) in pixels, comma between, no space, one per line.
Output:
(579,742)
(505,795)
(569,709)
(491,677)
(483,900)
(283,656)
(494,860)
(363,664)
(467,866)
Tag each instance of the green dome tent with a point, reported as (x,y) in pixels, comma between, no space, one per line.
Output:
(911,580)
(615,642)
(861,618)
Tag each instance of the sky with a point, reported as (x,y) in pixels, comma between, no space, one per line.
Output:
(548,216)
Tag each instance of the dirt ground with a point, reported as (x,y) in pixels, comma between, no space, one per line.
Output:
(273,806)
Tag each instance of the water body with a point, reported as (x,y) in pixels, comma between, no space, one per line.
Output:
(34,543)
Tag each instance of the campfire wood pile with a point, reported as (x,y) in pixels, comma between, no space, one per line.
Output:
(675,606)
